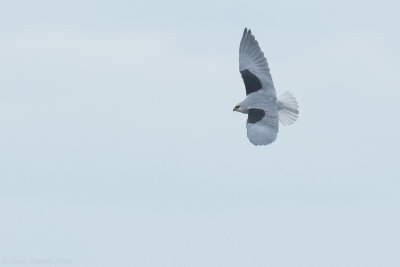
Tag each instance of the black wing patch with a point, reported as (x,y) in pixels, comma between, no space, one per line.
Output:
(255,115)
(251,82)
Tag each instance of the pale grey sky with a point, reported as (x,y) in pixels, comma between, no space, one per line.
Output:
(119,147)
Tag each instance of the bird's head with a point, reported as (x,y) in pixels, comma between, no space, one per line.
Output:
(240,108)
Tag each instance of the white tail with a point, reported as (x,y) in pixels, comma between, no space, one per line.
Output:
(288,110)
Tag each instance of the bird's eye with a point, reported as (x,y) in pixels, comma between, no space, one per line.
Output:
(237,106)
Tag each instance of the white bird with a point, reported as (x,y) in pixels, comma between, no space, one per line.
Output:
(264,110)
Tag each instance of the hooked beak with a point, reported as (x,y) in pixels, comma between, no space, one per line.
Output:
(235,108)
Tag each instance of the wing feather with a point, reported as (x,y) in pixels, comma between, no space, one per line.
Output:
(263,132)
(251,58)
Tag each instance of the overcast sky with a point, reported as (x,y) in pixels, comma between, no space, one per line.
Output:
(119,147)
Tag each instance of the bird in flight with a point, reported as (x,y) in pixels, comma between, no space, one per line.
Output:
(264,110)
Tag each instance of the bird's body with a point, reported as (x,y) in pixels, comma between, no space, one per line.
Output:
(261,104)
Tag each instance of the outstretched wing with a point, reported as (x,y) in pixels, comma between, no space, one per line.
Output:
(262,122)
(262,126)
(254,66)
